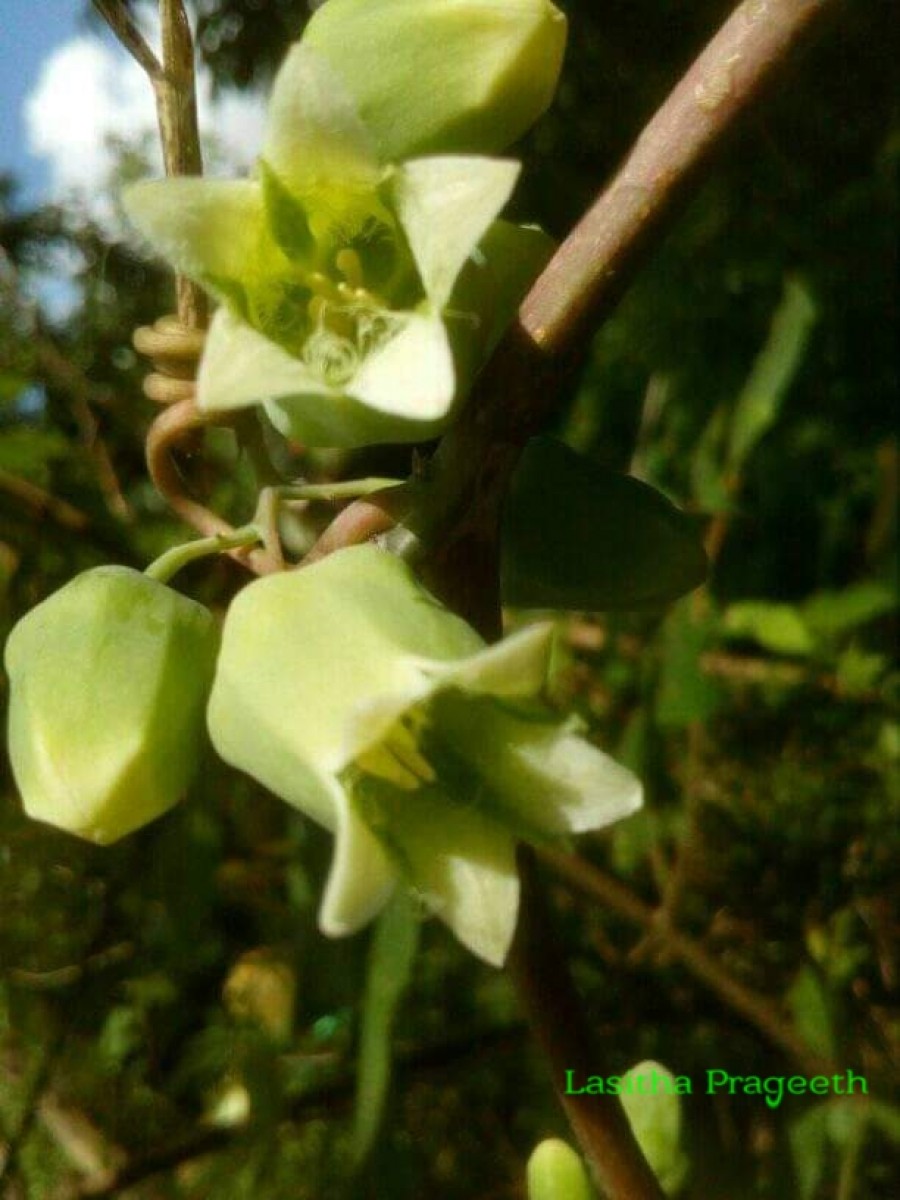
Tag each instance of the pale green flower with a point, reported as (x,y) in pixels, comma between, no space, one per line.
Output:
(358,297)
(108,681)
(348,690)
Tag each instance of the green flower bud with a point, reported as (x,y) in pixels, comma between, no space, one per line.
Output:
(442,76)
(108,679)
(348,690)
(655,1118)
(556,1172)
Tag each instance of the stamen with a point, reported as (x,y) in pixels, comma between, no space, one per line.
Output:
(348,263)
(398,759)
(316,308)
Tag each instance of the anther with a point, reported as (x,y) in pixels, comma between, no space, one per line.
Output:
(348,263)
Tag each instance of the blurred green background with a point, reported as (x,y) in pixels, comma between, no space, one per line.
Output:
(167,1006)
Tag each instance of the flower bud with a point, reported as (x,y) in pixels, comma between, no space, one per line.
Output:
(443,76)
(108,679)
(655,1119)
(261,990)
(555,1172)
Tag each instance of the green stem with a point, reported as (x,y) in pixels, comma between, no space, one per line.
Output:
(847,1180)
(351,489)
(163,568)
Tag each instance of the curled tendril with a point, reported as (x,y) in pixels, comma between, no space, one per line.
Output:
(174,351)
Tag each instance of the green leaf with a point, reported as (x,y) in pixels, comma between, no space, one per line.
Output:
(810,1006)
(886,1118)
(576,536)
(809,1149)
(831,614)
(12,384)
(686,693)
(774,371)
(31,453)
(859,670)
(391,958)
(776,627)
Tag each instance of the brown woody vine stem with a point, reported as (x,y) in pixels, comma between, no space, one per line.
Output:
(519,391)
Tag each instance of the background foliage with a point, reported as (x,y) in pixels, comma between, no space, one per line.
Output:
(155,994)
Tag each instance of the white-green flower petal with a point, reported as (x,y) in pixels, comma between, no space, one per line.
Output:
(241,367)
(411,375)
(545,778)
(515,666)
(348,679)
(461,865)
(208,229)
(562,783)
(249,732)
(314,137)
(446,205)
(402,393)
(361,877)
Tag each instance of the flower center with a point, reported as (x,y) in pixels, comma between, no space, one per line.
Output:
(336,303)
(397,759)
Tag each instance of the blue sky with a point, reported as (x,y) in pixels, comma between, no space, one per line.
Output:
(31,29)
(68,88)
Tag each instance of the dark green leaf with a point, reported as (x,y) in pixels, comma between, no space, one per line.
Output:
(809,1150)
(32,452)
(776,627)
(773,372)
(686,692)
(576,536)
(810,1006)
(831,614)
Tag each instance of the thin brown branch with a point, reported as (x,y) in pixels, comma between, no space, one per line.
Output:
(541,974)
(44,503)
(118,18)
(76,1134)
(60,371)
(597,261)
(176,109)
(754,1008)
(359,522)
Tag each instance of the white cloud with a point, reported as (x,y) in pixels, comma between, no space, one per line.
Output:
(90,94)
